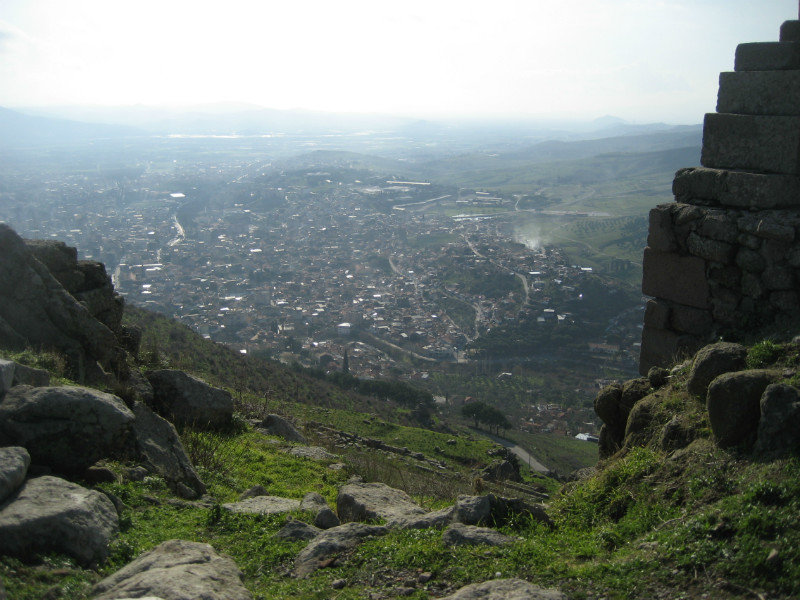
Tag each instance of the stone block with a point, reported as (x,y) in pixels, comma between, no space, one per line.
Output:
(662,348)
(660,235)
(759,93)
(777,278)
(694,321)
(767,56)
(749,241)
(725,275)
(712,250)
(755,143)
(717,225)
(773,230)
(750,261)
(793,258)
(751,286)
(790,31)
(774,251)
(736,188)
(681,279)
(786,300)
(691,183)
(656,314)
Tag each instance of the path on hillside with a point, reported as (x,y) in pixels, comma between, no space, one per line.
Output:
(519,452)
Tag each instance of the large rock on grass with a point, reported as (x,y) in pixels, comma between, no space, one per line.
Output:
(277,425)
(332,542)
(187,400)
(459,534)
(779,427)
(14,462)
(157,442)
(65,428)
(711,362)
(263,505)
(49,514)
(6,375)
(176,570)
(505,589)
(733,405)
(369,501)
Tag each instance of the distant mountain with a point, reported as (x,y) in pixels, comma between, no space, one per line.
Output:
(23,130)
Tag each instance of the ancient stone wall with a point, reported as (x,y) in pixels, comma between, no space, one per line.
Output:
(723,260)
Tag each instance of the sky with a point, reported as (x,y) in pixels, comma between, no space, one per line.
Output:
(641,60)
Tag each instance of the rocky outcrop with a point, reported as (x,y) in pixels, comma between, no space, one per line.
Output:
(779,427)
(459,534)
(49,514)
(158,444)
(14,463)
(295,530)
(36,310)
(613,405)
(369,501)
(176,570)
(187,400)
(496,510)
(65,428)
(330,543)
(501,470)
(324,517)
(505,589)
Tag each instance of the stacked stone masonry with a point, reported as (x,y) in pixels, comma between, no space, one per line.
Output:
(724,258)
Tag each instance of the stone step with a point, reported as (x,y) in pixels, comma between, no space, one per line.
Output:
(751,143)
(790,31)
(738,189)
(759,93)
(767,56)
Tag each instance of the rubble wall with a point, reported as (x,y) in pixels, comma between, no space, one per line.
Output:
(723,260)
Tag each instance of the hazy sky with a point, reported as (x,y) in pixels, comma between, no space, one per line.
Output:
(643,60)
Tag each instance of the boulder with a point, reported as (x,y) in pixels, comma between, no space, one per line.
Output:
(367,501)
(437,519)
(14,463)
(49,514)
(65,428)
(263,505)
(607,407)
(36,310)
(505,589)
(504,510)
(324,517)
(277,425)
(677,434)
(472,510)
(176,570)
(459,534)
(187,400)
(711,362)
(295,530)
(24,375)
(158,444)
(779,428)
(332,542)
(501,470)
(733,405)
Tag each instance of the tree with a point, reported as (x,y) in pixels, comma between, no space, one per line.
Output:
(346,362)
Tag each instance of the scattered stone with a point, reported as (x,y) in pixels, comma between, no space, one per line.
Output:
(313,502)
(424,577)
(49,514)
(337,466)
(779,427)
(712,361)
(332,542)
(65,428)
(367,501)
(256,490)
(505,589)
(437,519)
(326,519)
(176,570)
(338,584)
(14,463)
(295,530)
(263,505)
(187,400)
(158,443)
(459,534)
(404,591)
(277,425)
(733,405)
(137,473)
(99,474)
(312,452)
(658,377)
